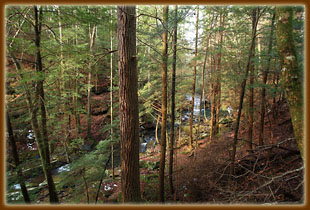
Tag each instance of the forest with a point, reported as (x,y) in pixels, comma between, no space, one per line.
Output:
(154,104)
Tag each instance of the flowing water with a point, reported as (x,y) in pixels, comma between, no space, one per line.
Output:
(150,135)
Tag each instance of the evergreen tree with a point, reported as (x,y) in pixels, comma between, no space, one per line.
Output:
(128,99)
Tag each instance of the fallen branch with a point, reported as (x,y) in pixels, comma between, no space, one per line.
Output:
(272,179)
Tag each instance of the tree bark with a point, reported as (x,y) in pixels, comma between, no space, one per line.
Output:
(251,90)
(77,97)
(64,102)
(194,85)
(111,95)
(164,105)
(265,77)
(19,171)
(243,85)
(212,90)
(92,40)
(218,76)
(291,73)
(128,99)
(203,79)
(42,139)
(172,137)
(202,94)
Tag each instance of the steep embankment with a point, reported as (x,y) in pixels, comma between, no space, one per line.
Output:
(272,173)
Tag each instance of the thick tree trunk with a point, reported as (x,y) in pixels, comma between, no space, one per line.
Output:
(194,85)
(164,105)
(128,99)
(19,171)
(263,93)
(43,138)
(291,74)
(243,85)
(172,137)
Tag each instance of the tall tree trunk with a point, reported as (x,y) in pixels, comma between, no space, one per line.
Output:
(291,74)
(194,85)
(164,105)
(243,85)
(111,94)
(20,176)
(265,76)
(218,76)
(33,111)
(43,145)
(251,92)
(213,101)
(175,36)
(77,97)
(92,39)
(64,102)
(128,99)
(203,79)
(202,94)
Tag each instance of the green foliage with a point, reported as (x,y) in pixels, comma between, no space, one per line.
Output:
(67,63)
(151,165)
(89,165)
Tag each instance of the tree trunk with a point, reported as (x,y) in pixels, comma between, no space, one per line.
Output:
(194,85)
(218,76)
(164,105)
(251,92)
(203,81)
(128,99)
(173,100)
(77,101)
(156,129)
(86,187)
(64,102)
(291,74)
(19,171)
(243,85)
(265,76)
(202,94)
(213,101)
(111,95)
(92,39)
(42,139)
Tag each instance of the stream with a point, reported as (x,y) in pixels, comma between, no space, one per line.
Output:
(148,138)
(37,182)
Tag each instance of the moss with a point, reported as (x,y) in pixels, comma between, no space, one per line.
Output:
(291,73)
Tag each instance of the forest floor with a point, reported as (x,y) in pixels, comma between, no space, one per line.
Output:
(272,173)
